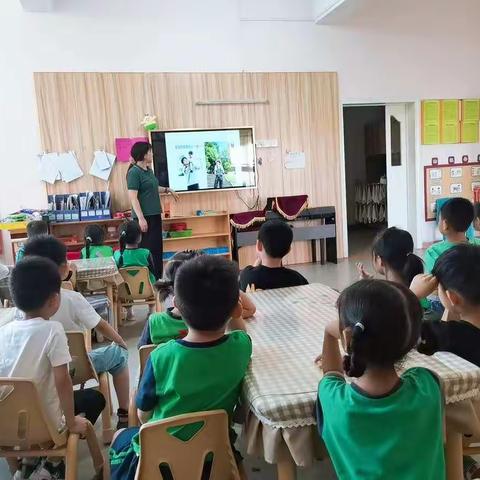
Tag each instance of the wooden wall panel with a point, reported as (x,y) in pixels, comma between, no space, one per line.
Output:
(87,111)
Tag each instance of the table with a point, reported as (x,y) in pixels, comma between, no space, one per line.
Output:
(98,274)
(281,385)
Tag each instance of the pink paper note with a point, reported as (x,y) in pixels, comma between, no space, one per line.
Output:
(123,147)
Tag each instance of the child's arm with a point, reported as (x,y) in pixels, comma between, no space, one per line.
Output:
(248,307)
(151,267)
(146,400)
(331,357)
(63,385)
(236,321)
(108,331)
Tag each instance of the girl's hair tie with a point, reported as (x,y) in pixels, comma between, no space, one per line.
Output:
(360,326)
(89,239)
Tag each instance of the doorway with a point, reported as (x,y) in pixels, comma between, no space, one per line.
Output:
(380,172)
(365,175)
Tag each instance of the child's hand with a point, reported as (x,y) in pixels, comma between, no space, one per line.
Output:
(318,361)
(79,425)
(122,344)
(362,273)
(423,285)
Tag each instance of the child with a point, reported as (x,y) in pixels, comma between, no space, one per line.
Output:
(75,313)
(365,424)
(130,254)
(34,229)
(393,257)
(456,215)
(163,326)
(202,371)
(476,223)
(35,347)
(457,272)
(94,247)
(274,242)
(219,173)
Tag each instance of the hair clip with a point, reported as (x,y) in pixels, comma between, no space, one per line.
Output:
(89,239)
(123,234)
(360,326)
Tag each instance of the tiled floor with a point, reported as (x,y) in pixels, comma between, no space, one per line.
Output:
(336,275)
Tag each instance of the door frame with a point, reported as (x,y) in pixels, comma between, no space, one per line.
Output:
(412,171)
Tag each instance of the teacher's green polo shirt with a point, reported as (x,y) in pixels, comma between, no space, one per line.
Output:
(146,183)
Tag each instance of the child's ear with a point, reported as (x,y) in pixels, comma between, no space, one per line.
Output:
(346,338)
(454,299)
(259,246)
(174,302)
(237,310)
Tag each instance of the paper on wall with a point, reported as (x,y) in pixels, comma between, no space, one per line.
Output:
(48,167)
(68,165)
(295,160)
(102,164)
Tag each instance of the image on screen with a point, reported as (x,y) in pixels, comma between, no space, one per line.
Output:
(199,160)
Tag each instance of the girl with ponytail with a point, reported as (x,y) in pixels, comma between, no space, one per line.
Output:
(378,324)
(94,239)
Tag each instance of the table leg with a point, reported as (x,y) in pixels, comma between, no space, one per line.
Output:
(454,455)
(286,468)
(314,251)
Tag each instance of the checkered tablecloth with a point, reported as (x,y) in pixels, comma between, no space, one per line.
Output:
(94,268)
(287,334)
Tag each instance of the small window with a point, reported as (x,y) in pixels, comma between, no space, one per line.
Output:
(395,141)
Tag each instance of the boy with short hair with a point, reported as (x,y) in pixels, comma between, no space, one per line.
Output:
(75,313)
(476,223)
(202,371)
(35,347)
(274,242)
(35,228)
(456,215)
(457,273)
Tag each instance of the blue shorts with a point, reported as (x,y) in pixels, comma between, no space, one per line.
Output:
(111,359)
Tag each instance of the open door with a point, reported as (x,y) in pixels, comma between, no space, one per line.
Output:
(400,166)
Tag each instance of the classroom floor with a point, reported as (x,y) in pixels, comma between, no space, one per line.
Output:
(335,275)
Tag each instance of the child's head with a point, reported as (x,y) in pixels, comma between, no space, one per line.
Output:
(35,287)
(94,235)
(51,248)
(476,220)
(379,322)
(458,273)
(130,234)
(36,228)
(456,215)
(393,250)
(184,161)
(274,239)
(165,286)
(206,292)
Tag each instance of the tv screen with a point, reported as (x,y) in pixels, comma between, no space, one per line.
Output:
(200,160)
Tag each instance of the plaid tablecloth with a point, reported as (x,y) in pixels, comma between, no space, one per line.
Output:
(287,334)
(103,268)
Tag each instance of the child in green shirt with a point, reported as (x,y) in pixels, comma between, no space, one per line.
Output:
(130,254)
(476,223)
(456,215)
(202,371)
(94,243)
(381,425)
(35,228)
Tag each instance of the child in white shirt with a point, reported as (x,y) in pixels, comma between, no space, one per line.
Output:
(35,347)
(75,313)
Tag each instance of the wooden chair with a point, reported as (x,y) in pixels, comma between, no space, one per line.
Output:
(136,289)
(144,352)
(211,439)
(26,429)
(82,371)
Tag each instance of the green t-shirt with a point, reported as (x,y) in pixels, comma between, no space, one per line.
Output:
(146,183)
(98,251)
(164,326)
(136,257)
(396,437)
(434,251)
(20,253)
(182,377)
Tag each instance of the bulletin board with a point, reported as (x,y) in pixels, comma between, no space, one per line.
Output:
(448,181)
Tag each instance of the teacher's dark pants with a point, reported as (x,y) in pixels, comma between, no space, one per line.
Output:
(153,240)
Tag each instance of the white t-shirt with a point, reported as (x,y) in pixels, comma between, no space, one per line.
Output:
(75,313)
(31,349)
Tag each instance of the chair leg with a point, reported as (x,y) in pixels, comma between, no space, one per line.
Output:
(71,457)
(107,411)
(132,410)
(95,451)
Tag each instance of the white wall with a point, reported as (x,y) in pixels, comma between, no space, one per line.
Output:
(388,51)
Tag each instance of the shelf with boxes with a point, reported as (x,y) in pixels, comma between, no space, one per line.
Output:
(209,232)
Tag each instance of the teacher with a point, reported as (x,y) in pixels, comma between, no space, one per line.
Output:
(144,195)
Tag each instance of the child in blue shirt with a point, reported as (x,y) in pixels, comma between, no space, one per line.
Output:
(381,425)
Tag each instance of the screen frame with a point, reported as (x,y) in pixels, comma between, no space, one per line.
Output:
(210,190)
